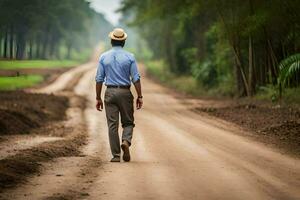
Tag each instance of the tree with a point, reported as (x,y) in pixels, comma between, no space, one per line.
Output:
(259,33)
(38,29)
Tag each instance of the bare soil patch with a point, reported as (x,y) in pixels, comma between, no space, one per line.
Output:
(272,124)
(20,111)
(15,169)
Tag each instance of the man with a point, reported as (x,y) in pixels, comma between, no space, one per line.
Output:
(118,68)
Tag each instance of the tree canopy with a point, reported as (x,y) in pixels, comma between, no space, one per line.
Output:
(218,41)
(39,29)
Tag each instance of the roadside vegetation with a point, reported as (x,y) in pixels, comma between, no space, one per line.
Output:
(47,30)
(188,84)
(18,82)
(23,64)
(231,48)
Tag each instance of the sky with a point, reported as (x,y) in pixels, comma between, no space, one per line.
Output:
(108,8)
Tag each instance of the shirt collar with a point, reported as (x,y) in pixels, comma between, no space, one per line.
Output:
(117,47)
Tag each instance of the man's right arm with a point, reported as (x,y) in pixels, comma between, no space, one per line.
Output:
(100,75)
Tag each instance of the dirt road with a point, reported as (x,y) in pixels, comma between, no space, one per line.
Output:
(176,154)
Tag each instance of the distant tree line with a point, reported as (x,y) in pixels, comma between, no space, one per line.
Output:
(238,42)
(40,29)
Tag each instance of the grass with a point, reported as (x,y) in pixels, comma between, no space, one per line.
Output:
(22,64)
(19,82)
(184,84)
(269,92)
(292,95)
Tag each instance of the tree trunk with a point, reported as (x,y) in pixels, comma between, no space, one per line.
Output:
(5,49)
(21,46)
(240,69)
(264,68)
(240,74)
(38,48)
(30,49)
(52,45)
(1,44)
(57,51)
(11,43)
(251,82)
(69,47)
(251,66)
(44,47)
(239,80)
(45,42)
(274,63)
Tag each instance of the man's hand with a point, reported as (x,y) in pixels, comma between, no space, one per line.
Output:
(139,103)
(99,105)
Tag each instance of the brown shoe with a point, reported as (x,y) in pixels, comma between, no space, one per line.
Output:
(125,148)
(115,159)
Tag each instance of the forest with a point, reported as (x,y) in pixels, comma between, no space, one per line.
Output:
(48,29)
(239,47)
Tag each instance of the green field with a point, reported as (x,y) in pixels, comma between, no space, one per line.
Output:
(19,82)
(23,64)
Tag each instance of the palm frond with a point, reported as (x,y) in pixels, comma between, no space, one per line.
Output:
(289,68)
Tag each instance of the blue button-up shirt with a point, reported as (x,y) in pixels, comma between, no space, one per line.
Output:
(117,67)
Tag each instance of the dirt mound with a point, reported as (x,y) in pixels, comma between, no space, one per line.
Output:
(15,169)
(275,125)
(24,112)
(20,111)
(14,122)
(292,126)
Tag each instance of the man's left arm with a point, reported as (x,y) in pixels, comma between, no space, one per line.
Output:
(136,80)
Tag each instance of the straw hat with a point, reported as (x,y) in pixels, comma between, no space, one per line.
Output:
(118,34)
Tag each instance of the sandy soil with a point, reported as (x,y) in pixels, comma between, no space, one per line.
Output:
(20,112)
(176,154)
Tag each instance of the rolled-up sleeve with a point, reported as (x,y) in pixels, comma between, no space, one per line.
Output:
(100,75)
(135,76)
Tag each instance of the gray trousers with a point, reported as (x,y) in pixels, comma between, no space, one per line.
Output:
(119,102)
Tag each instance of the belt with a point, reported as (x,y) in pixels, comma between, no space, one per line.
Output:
(119,86)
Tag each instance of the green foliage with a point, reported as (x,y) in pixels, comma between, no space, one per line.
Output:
(205,73)
(231,46)
(37,64)
(268,92)
(19,82)
(289,70)
(82,55)
(190,55)
(158,70)
(271,93)
(141,50)
(184,84)
(292,96)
